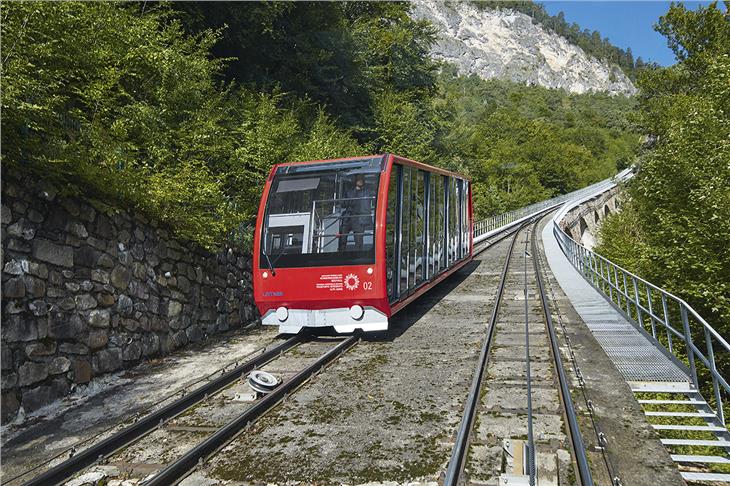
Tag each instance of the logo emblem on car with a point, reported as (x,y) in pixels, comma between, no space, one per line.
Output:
(351,281)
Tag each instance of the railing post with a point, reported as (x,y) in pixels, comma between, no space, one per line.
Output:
(713,372)
(666,322)
(651,311)
(626,295)
(637,302)
(688,343)
(581,253)
(594,277)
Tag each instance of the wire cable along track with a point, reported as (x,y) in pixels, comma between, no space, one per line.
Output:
(519,389)
(579,450)
(142,427)
(458,456)
(180,468)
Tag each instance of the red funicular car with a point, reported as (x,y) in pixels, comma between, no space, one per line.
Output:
(349,242)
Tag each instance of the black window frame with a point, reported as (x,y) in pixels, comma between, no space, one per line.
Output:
(330,259)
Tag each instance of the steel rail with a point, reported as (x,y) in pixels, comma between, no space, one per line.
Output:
(80,461)
(507,231)
(461,445)
(579,451)
(531,466)
(179,469)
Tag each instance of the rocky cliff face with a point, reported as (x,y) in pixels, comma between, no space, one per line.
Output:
(507,45)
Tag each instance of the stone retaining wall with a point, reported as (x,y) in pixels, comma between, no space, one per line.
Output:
(88,291)
(582,222)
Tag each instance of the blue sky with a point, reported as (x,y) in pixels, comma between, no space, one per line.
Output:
(626,24)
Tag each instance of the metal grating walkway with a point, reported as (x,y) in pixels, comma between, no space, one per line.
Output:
(647,369)
(633,353)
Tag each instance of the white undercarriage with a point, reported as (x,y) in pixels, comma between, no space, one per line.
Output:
(340,318)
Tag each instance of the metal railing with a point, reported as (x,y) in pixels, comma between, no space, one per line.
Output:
(672,322)
(500,221)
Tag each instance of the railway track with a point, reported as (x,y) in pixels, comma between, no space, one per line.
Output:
(135,449)
(190,416)
(519,425)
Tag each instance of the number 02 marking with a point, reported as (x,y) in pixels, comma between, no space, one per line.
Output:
(367,285)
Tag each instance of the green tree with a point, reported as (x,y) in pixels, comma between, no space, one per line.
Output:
(676,224)
(125,107)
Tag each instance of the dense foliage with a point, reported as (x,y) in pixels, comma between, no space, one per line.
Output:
(179,110)
(340,55)
(675,228)
(522,144)
(125,106)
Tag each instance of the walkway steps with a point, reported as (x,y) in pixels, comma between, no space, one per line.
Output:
(673,402)
(696,428)
(711,477)
(700,459)
(680,414)
(682,387)
(689,463)
(696,442)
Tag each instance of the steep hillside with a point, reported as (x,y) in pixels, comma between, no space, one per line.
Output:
(506,44)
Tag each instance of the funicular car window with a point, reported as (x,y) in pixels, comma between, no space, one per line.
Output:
(321,214)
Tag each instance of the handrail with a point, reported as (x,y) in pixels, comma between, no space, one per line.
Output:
(495,224)
(647,306)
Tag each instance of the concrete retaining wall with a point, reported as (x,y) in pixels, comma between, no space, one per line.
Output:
(88,290)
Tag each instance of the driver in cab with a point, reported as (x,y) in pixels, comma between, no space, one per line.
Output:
(357,216)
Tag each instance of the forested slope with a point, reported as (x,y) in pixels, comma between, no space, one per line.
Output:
(675,228)
(179,110)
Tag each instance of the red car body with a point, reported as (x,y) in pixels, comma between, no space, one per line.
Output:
(325,295)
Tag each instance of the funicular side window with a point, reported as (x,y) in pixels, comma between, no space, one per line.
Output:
(391,233)
(441,220)
(405,231)
(460,226)
(418,221)
(321,214)
(453,221)
(465,218)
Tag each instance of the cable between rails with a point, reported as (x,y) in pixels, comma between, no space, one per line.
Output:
(600,435)
(458,454)
(584,471)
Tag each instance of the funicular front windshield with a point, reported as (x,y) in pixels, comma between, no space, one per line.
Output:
(321,214)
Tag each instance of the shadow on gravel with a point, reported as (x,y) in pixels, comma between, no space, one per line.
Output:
(404,319)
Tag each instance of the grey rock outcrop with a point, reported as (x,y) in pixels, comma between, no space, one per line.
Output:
(506,44)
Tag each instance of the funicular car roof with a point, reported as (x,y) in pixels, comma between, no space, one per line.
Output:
(397,158)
